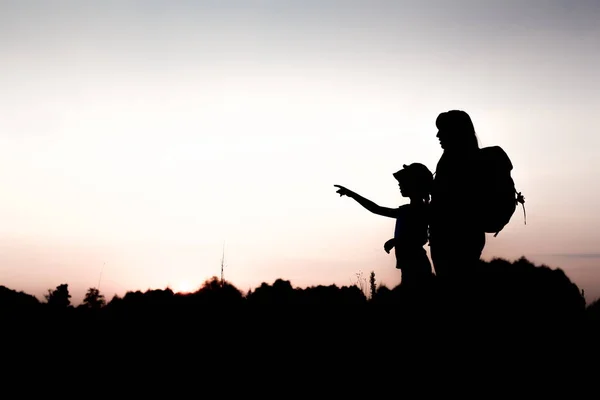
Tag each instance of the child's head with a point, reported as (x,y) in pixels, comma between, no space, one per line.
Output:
(415,180)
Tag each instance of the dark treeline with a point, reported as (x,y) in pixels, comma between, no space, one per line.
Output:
(516,303)
(501,289)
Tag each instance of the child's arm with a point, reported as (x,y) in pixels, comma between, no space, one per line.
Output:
(368,204)
(389,245)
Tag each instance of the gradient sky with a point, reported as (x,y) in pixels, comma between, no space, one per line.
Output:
(137,138)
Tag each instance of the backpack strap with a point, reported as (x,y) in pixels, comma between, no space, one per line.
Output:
(521,199)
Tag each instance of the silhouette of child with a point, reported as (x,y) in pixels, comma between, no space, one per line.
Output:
(411,231)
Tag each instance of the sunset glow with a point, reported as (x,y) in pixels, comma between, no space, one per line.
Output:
(144,135)
(185,287)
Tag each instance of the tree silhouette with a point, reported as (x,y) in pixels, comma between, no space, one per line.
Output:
(373,285)
(94,299)
(59,298)
(12,299)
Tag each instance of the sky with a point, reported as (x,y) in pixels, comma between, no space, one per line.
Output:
(141,140)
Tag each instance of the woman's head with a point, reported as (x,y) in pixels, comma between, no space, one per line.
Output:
(456,131)
(415,180)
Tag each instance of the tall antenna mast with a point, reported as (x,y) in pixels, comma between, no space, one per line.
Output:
(223,266)
(100,278)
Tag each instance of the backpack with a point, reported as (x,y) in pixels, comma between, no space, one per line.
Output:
(498,197)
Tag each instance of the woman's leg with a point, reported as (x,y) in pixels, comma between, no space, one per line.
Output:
(457,254)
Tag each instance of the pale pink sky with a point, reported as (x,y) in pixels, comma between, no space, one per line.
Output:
(142,136)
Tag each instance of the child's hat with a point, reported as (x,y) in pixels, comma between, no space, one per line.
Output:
(415,170)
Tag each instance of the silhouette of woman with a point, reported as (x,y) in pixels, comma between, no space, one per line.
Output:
(456,238)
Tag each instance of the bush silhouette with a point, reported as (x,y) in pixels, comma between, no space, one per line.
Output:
(513,296)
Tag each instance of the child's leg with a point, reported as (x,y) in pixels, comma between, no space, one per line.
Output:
(416,271)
